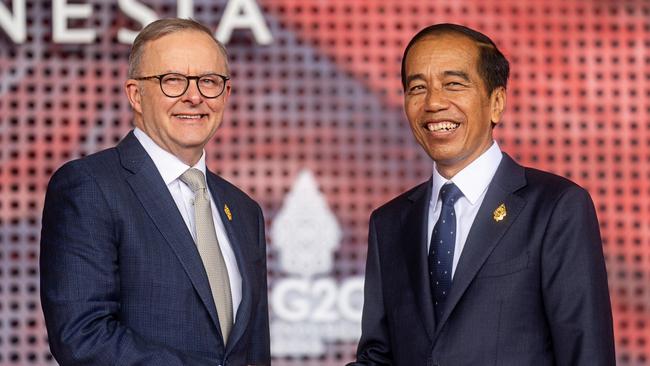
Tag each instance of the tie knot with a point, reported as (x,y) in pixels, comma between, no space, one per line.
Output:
(449,193)
(194,179)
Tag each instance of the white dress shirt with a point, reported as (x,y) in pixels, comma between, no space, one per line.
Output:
(171,168)
(473,181)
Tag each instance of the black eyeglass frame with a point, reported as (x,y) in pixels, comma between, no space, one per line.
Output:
(189,78)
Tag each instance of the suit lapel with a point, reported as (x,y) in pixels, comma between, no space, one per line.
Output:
(238,240)
(415,234)
(154,196)
(486,232)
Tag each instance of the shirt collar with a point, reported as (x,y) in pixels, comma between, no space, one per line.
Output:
(474,179)
(169,166)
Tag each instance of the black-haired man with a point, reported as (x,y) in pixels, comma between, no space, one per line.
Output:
(488,262)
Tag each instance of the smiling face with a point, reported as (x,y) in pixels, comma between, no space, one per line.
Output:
(182,125)
(446,102)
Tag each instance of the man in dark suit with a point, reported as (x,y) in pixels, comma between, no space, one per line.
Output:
(488,262)
(142,262)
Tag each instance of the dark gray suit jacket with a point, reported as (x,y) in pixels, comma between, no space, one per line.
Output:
(530,289)
(122,282)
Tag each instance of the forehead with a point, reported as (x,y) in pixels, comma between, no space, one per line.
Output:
(183,51)
(445,52)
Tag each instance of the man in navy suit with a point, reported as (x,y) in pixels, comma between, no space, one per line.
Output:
(488,262)
(124,275)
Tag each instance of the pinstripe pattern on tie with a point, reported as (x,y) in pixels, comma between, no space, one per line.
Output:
(209,249)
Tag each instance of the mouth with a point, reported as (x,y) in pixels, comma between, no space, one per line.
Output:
(190,117)
(442,126)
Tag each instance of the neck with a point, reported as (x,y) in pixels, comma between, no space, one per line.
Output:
(447,172)
(189,158)
(449,168)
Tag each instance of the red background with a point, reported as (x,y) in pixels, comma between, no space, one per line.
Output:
(325,96)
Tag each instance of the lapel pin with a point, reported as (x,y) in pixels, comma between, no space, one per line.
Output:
(226,209)
(500,213)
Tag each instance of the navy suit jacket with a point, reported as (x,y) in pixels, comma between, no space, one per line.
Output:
(122,282)
(530,289)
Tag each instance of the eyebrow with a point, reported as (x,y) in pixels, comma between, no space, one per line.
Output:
(414,77)
(461,74)
(169,71)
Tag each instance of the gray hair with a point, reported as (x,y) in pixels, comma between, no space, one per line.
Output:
(161,28)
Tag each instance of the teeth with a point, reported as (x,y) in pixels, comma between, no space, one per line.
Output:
(189,116)
(442,126)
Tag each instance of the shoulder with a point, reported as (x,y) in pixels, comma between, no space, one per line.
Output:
(543,178)
(535,185)
(403,202)
(91,167)
(548,192)
(552,185)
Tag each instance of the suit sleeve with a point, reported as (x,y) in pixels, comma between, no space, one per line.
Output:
(574,284)
(80,285)
(374,345)
(260,352)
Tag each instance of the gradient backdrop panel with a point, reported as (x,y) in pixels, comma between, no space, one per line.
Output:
(315,132)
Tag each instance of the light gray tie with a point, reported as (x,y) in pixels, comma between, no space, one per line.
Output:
(208,246)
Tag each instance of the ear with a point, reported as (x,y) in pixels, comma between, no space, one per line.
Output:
(134,93)
(226,93)
(497,104)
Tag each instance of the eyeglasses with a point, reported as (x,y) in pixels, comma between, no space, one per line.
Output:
(174,85)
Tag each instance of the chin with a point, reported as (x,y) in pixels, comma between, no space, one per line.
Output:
(195,144)
(444,156)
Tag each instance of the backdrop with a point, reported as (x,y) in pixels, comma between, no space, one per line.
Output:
(316,133)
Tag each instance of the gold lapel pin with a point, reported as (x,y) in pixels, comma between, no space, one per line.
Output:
(500,213)
(226,209)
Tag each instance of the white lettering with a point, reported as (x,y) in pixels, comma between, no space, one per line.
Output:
(289,301)
(243,14)
(325,292)
(137,12)
(184,9)
(61,12)
(238,14)
(350,299)
(15,26)
(322,300)
(309,314)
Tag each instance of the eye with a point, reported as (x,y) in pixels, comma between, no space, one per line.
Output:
(455,85)
(210,81)
(417,89)
(174,79)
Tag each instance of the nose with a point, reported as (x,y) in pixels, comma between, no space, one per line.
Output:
(192,94)
(436,100)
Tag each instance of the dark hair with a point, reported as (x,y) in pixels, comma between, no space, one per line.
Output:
(492,64)
(161,28)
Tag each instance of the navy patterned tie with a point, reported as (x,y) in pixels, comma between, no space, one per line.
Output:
(441,250)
